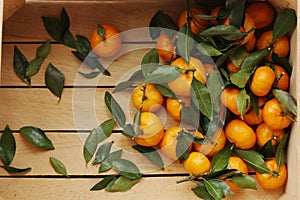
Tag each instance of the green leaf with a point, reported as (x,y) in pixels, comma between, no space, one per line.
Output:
(284,23)
(201,97)
(90,75)
(253,60)
(65,21)
(58,166)
(189,115)
(53,27)
(286,100)
(100,31)
(267,149)
(37,137)
(126,168)
(8,146)
(185,42)
(163,74)
(182,148)
(221,173)
(238,55)
(165,91)
(122,184)
(103,152)
(151,57)
(220,160)
(123,86)
(226,188)
(255,103)
(202,193)
(136,122)
(106,164)
(161,20)
(244,181)
(34,66)
(43,50)
(236,12)
(128,131)
(280,154)
(151,154)
(243,101)
(96,136)
(214,189)
(254,159)
(115,109)
(20,65)
(14,170)
(54,80)
(83,46)
(225,31)
(282,61)
(103,183)
(215,84)
(208,49)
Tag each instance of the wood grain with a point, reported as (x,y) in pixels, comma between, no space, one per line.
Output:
(147,188)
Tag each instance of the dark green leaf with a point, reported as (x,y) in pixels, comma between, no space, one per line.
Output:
(58,166)
(182,148)
(215,84)
(43,50)
(255,103)
(161,20)
(189,115)
(128,131)
(214,189)
(227,31)
(54,80)
(34,66)
(14,170)
(201,97)
(126,168)
(282,61)
(53,27)
(20,65)
(254,159)
(65,21)
(122,184)
(208,49)
(151,154)
(191,138)
(103,183)
(123,85)
(286,100)
(284,23)
(220,160)
(83,46)
(68,40)
(100,31)
(237,12)
(226,188)
(137,121)
(148,68)
(90,75)
(224,57)
(96,136)
(238,55)
(151,57)
(243,101)
(166,91)
(102,152)
(104,166)
(244,181)
(163,74)
(267,149)
(202,193)
(115,109)
(8,146)
(280,155)
(221,173)
(185,42)
(37,137)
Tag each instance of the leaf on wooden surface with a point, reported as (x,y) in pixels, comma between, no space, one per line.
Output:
(14,170)
(151,154)
(115,109)
(54,80)
(37,137)
(103,183)
(102,152)
(126,168)
(58,166)
(121,184)
(8,146)
(284,23)
(20,65)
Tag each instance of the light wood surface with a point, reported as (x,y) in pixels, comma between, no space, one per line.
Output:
(81,109)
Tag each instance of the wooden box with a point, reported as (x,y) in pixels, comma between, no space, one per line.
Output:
(36,106)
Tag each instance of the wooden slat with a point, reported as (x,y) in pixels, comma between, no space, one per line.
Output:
(69,148)
(148,189)
(79,108)
(128,59)
(26,24)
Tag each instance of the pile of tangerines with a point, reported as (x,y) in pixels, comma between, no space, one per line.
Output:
(254,115)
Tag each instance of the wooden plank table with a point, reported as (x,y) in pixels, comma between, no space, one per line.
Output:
(36,106)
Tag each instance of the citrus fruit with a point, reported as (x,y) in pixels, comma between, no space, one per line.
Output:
(109,43)
(197,24)
(262,80)
(218,142)
(250,45)
(147,97)
(169,142)
(238,164)
(152,130)
(196,163)
(174,106)
(165,47)
(241,134)
(182,84)
(270,181)
(264,134)
(262,13)
(284,80)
